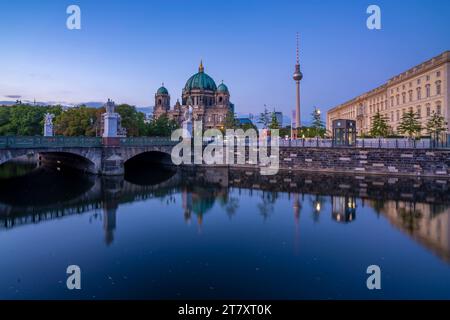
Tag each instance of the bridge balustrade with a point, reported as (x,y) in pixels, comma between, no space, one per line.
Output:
(146,141)
(60,141)
(48,142)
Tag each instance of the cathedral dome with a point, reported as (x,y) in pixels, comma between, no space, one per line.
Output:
(200,81)
(162,90)
(222,88)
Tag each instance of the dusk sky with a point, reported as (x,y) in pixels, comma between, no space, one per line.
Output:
(126,49)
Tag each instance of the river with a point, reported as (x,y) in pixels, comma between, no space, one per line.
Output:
(161,233)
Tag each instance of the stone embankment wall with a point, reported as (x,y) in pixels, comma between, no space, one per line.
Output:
(416,162)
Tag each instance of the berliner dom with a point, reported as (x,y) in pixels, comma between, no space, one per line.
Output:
(210,103)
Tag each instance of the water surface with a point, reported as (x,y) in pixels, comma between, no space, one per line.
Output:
(210,234)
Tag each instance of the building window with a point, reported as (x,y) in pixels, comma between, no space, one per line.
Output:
(438,87)
(397,97)
(392,116)
(159,101)
(392,101)
(428,91)
(404,97)
(419,93)
(428,110)
(410,84)
(418,81)
(438,74)
(438,109)
(398,115)
(419,111)
(410,93)
(428,78)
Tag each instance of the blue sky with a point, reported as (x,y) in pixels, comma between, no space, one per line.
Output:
(125,49)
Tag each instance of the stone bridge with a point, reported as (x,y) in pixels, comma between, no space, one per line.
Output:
(94,155)
(88,154)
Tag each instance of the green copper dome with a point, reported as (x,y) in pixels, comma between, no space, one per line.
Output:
(162,90)
(200,81)
(222,88)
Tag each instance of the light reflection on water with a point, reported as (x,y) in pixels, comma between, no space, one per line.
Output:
(222,234)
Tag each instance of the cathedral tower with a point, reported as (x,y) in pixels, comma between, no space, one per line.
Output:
(162,101)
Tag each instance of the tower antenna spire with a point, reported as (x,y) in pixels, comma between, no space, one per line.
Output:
(298,58)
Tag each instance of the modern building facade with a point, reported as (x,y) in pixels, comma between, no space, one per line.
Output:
(210,103)
(423,89)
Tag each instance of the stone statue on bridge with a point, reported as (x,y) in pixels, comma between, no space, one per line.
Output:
(48,125)
(187,123)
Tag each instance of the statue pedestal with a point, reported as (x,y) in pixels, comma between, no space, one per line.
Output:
(110,125)
(48,125)
(48,130)
(187,129)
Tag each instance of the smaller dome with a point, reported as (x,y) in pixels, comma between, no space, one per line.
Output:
(222,88)
(162,90)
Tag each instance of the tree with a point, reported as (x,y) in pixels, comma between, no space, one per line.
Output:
(318,127)
(78,121)
(410,124)
(230,120)
(436,125)
(246,126)
(274,122)
(286,131)
(23,119)
(132,120)
(162,126)
(264,118)
(307,132)
(379,126)
(317,119)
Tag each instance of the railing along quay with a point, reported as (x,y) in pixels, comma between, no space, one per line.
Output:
(367,143)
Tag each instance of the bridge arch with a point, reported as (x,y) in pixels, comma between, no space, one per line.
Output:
(150,156)
(149,167)
(85,159)
(70,159)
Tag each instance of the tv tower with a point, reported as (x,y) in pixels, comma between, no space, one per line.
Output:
(297,77)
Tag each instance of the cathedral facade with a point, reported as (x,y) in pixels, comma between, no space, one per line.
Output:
(210,103)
